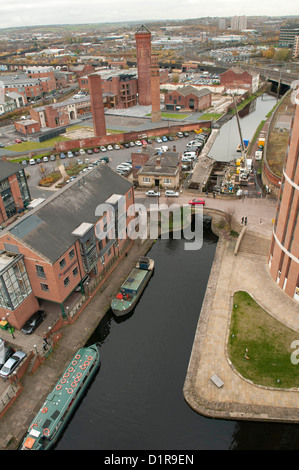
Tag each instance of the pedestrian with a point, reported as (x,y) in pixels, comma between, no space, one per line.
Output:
(214,194)
(45,347)
(46,339)
(242,222)
(245,220)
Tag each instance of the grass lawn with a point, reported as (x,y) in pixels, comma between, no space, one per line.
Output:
(173,116)
(25,146)
(208,116)
(268,343)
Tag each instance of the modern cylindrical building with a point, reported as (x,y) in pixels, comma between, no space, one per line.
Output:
(284,249)
(143,50)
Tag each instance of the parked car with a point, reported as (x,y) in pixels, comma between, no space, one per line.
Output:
(164,138)
(137,142)
(126,145)
(180,134)
(197,202)
(109,147)
(151,192)
(96,150)
(159,140)
(52,158)
(12,363)
(18,141)
(5,354)
(33,322)
(170,137)
(31,161)
(62,155)
(89,151)
(132,144)
(82,152)
(170,193)
(144,142)
(103,149)
(24,162)
(38,160)
(116,147)
(186,134)
(104,159)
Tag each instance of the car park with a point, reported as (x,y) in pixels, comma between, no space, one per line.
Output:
(170,193)
(24,162)
(159,140)
(109,147)
(80,162)
(186,134)
(86,160)
(82,152)
(179,134)
(70,154)
(197,202)
(116,147)
(132,144)
(144,142)
(76,153)
(170,137)
(12,363)
(103,149)
(96,150)
(31,161)
(152,193)
(137,142)
(34,321)
(164,138)
(89,151)
(52,158)
(104,159)
(38,160)
(45,159)
(18,141)
(62,155)
(126,145)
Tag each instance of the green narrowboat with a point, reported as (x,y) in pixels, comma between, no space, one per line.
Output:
(133,287)
(57,409)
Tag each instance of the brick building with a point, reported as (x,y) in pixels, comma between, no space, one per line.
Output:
(188,97)
(14,192)
(160,171)
(45,255)
(236,78)
(284,250)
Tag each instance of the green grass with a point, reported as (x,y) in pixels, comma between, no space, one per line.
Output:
(26,146)
(268,343)
(173,116)
(208,116)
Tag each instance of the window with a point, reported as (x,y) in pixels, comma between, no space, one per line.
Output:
(40,271)
(72,253)
(66,281)
(146,179)
(75,271)
(44,287)
(62,263)
(167,181)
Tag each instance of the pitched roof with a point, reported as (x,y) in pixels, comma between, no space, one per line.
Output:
(7,169)
(48,228)
(189,89)
(168,163)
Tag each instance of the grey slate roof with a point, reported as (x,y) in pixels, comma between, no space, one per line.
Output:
(48,228)
(189,89)
(7,169)
(165,164)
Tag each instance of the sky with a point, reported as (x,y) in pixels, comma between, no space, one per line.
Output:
(36,12)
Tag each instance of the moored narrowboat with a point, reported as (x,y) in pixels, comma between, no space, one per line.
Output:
(57,409)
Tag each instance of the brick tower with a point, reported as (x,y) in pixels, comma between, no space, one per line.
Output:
(97,104)
(155,89)
(284,249)
(143,44)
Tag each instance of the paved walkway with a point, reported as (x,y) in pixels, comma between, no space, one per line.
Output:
(237,398)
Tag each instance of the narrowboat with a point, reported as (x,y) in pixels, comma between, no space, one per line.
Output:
(133,287)
(57,409)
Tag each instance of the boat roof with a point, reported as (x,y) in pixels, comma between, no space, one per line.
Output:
(60,398)
(134,280)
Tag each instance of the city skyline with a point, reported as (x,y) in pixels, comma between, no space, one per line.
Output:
(34,13)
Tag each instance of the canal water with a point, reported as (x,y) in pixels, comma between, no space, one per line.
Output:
(136,401)
(225,146)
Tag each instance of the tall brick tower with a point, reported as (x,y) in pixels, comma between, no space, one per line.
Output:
(155,89)
(284,249)
(97,104)
(143,44)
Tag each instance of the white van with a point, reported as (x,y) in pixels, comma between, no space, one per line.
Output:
(191,155)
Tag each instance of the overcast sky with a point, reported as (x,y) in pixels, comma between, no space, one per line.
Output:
(37,12)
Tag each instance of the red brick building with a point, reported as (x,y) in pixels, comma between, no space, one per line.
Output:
(14,192)
(284,250)
(45,254)
(97,105)
(27,126)
(188,97)
(237,78)
(155,89)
